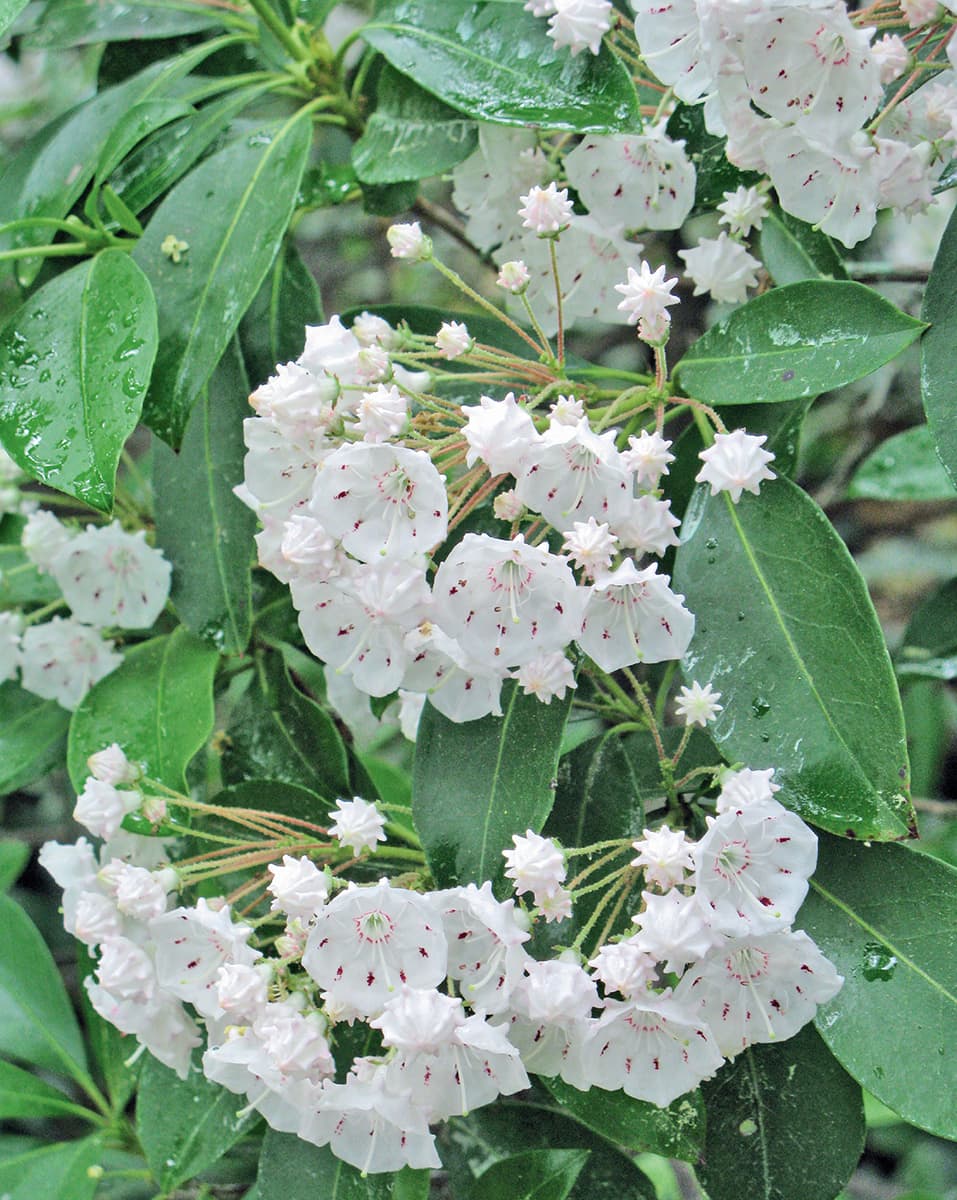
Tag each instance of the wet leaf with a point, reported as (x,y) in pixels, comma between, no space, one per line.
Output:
(291,1169)
(26,1095)
(791,250)
(938,367)
(232,212)
(66,23)
(32,736)
(533,1175)
(52,1172)
(158,705)
(211,552)
(887,918)
(495,62)
(74,366)
(799,340)
(273,330)
(476,784)
(20,582)
(787,633)
(9,11)
(905,467)
(784,1121)
(14,856)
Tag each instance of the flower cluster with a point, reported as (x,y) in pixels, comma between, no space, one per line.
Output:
(457,1010)
(109,578)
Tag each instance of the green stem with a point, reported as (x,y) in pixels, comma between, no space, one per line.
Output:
(59,250)
(545,347)
(454,278)
(270,18)
(553,255)
(601,906)
(39,614)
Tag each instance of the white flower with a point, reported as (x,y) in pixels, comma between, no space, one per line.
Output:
(111,577)
(485,939)
(11,624)
(101,808)
(331,349)
(633,180)
(722,267)
(743,209)
(112,766)
(298,887)
(62,659)
(698,705)
(590,546)
(646,294)
(648,526)
(891,55)
(453,339)
(556,905)
(920,12)
(648,455)
(567,410)
(372,330)
(535,864)
(44,539)
(513,276)
(382,413)
(506,162)
(735,463)
(241,990)
(507,506)
(546,210)
(623,967)
(358,824)
(573,473)
(191,945)
(665,856)
(580,24)
(546,676)
(739,789)
(298,401)
(500,433)
(674,928)
(408,241)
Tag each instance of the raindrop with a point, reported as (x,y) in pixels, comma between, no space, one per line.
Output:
(711,544)
(760,707)
(878,962)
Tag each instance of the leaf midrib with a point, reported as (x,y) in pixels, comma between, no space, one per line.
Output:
(217,524)
(493,790)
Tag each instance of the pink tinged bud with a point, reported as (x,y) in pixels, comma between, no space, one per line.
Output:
(546,210)
(513,276)
(101,807)
(453,340)
(358,825)
(112,766)
(408,241)
(507,506)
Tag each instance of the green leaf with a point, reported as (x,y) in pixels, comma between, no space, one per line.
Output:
(135,126)
(74,365)
(155,164)
(37,1024)
(185,1125)
(411,135)
(905,467)
(158,705)
(887,919)
(784,1122)
(66,23)
(109,1049)
(32,736)
(495,62)
(57,1172)
(278,733)
(21,583)
(938,368)
(787,633)
(534,1175)
(673,1132)
(232,211)
(799,340)
(291,1169)
(714,175)
(273,330)
(14,856)
(9,11)
(211,550)
(792,251)
(26,1095)
(932,629)
(476,784)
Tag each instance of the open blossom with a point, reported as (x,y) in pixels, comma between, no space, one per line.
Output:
(633,616)
(735,463)
(62,659)
(698,705)
(646,294)
(579,24)
(358,824)
(545,210)
(722,267)
(111,577)
(633,180)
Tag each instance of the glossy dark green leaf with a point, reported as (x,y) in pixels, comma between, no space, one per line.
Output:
(158,705)
(932,629)
(411,134)
(495,62)
(32,736)
(37,1024)
(887,919)
(673,1132)
(186,1125)
(291,1169)
(66,23)
(14,856)
(49,173)
(232,211)
(135,125)
(792,250)
(74,366)
(57,1172)
(117,211)
(476,784)
(26,1095)
(534,1175)
(273,331)
(157,163)
(799,340)
(277,732)
(201,527)
(785,1121)
(787,633)
(905,467)
(21,582)
(9,11)
(938,365)
(714,175)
